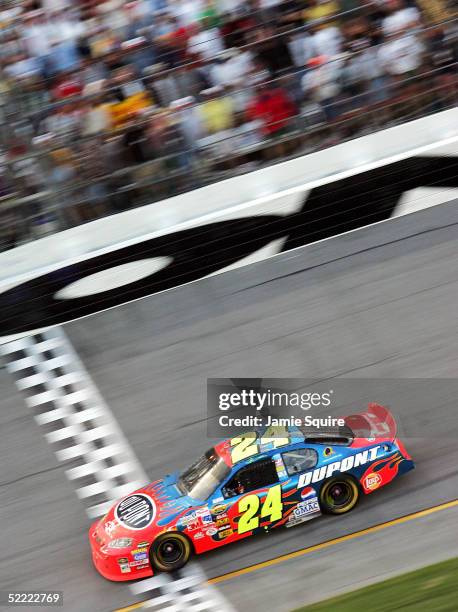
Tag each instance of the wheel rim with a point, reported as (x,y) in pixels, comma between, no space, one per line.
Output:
(170,551)
(339,494)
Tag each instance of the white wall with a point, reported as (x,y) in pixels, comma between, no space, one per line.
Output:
(277,188)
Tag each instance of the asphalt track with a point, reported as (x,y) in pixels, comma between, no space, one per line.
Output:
(376,303)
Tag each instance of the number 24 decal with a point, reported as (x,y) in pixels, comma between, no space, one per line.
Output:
(249,507)
(247,445)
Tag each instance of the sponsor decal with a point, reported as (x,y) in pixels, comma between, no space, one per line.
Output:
(206,519)
(222,521)
(194,524)
(139,562)
(212,531)
(225,533)
(306,507)
(136,511)
(143,544)
(123,560)
(198,536)
(307,492)
(125,569)
(140,556)
(191,521)
(110,526)
(141,567)
(138,551)
(328,451)
(346,464)
(372,481)
(217,500)
(219,509)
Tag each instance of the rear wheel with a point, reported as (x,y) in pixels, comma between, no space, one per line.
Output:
(339,495)
(170,551)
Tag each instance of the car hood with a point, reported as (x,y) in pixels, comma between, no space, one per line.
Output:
(143,512)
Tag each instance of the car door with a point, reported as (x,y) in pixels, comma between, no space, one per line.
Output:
(301,503)
(252,500)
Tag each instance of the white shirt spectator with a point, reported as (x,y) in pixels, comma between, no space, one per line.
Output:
(37,39)
(230,6)
(400,20)
(234,70)
(51,6)
(191,125)
(327,41)
(302,49)
(207,43)
(321,83)
(266,4)
(62,29)
(186,11)
(401,55)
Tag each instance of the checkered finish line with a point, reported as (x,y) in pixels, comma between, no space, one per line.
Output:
(85,435)
(184,591)
(75,419)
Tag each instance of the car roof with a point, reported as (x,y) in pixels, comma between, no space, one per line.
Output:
(296,435)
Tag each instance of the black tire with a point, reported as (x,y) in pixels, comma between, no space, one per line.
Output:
(339,495)
(170,552)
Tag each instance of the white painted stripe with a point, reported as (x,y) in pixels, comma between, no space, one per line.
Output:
(21,364)
(31,381)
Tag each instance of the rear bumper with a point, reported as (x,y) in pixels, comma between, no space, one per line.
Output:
(115,565)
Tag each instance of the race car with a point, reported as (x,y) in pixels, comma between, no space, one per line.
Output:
(282,476)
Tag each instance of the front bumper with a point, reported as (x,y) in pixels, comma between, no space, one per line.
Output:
(109,565)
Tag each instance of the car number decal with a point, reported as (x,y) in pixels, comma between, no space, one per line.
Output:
(249,507)
(248,445)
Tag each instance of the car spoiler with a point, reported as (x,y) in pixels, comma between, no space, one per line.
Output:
(376,422)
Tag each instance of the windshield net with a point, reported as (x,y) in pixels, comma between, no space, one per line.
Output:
(204,476)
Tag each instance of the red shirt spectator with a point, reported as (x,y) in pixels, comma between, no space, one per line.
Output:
(274,108)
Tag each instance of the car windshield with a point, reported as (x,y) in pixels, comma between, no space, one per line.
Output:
(201,479)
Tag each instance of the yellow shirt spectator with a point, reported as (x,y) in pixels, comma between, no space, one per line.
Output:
(121,112)
(322,10)
(217,115)
(436,11)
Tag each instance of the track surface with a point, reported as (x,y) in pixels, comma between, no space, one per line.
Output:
(343,307)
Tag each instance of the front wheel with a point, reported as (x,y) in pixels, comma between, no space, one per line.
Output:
(170,551)
(339,495)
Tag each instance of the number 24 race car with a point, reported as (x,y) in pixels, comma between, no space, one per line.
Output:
(244,486)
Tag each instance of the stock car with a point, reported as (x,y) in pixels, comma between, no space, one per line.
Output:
(283,476)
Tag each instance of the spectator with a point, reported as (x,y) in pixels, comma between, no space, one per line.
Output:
(206,42)
(320,11)
(402,55)
(320,84)
(273,106)
(189,120)
(231,67)
(159,76)
(401,18)
(326,40)
(217,111)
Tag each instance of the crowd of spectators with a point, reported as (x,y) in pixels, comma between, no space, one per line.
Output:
(170,88)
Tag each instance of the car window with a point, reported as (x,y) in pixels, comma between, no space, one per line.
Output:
(254,476)
(201,479)
(299,460)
